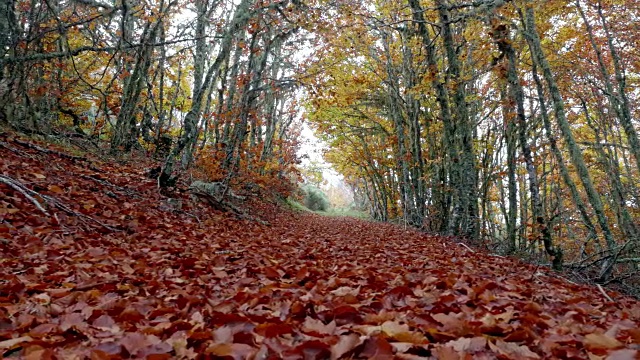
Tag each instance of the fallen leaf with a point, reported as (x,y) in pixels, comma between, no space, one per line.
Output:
(312,325)
(346,290)
(625,354)
(468,345)
(601,341)
(9,344)
(344,345)
(377,347)
(513,349)
(235,351)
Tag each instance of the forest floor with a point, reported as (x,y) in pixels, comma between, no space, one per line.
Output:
(96,263)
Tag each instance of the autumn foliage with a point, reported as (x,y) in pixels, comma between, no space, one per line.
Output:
(110,269)
(510,123)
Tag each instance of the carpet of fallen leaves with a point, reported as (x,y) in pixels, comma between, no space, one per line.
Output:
(113,269)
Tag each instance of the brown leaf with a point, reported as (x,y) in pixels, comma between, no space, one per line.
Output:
(512,349)
(235,351)
(443,352)
(601,341)
(11,343)
(377,347)
(106,322)
(55,189)
(449,321)
(316,326)
(468,345)
(626,354)
(345,345)
(346,290)
(133,342)
(393,328)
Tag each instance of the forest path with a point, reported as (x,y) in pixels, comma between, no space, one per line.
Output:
(114,270)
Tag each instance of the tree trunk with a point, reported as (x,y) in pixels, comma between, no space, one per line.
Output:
(564,172)
(500,34)
(623,105)
(466,223)
(576,155)
(189,136)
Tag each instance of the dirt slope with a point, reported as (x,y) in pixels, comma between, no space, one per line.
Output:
(109,269)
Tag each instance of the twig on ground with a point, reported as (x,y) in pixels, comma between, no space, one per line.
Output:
(468,248)
(70,211)
(227,207)
(94,285)
(107,183)
(567,280)
(24,191)
(535,272)
(14,150)
(194,216)
(604,293)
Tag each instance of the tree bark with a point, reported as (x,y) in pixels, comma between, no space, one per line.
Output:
(516,93)
(577,159)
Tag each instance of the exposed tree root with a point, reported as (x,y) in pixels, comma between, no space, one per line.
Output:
(121,189)
(213,193)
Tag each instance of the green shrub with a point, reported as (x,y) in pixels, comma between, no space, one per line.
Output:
(315,199)
(294,205)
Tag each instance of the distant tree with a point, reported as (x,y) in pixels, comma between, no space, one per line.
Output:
(315,199)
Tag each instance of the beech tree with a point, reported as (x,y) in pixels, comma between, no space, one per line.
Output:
(218,93)
(464,118)
(488,120)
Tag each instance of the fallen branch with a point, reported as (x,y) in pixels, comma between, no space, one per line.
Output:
(227,207)
(535,272)
(30,195)
(14,150)
(48,151)
(24,191)
(70,211)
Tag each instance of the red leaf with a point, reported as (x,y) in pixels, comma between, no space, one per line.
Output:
(377,347)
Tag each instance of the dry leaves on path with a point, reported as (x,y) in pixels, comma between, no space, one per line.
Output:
(185,282)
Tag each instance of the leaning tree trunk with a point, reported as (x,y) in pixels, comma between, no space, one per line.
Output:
(189,135)
(500,33)
(577,159)
(125,132)
(625,107)
(619,103)
(618,199)
(564,172)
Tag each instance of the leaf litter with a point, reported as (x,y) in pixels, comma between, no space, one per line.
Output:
(133,277)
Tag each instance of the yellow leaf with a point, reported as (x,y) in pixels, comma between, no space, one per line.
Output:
(601,341)
(56,189)
(8,344)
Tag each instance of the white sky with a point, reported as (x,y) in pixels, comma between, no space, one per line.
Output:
(312,147)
